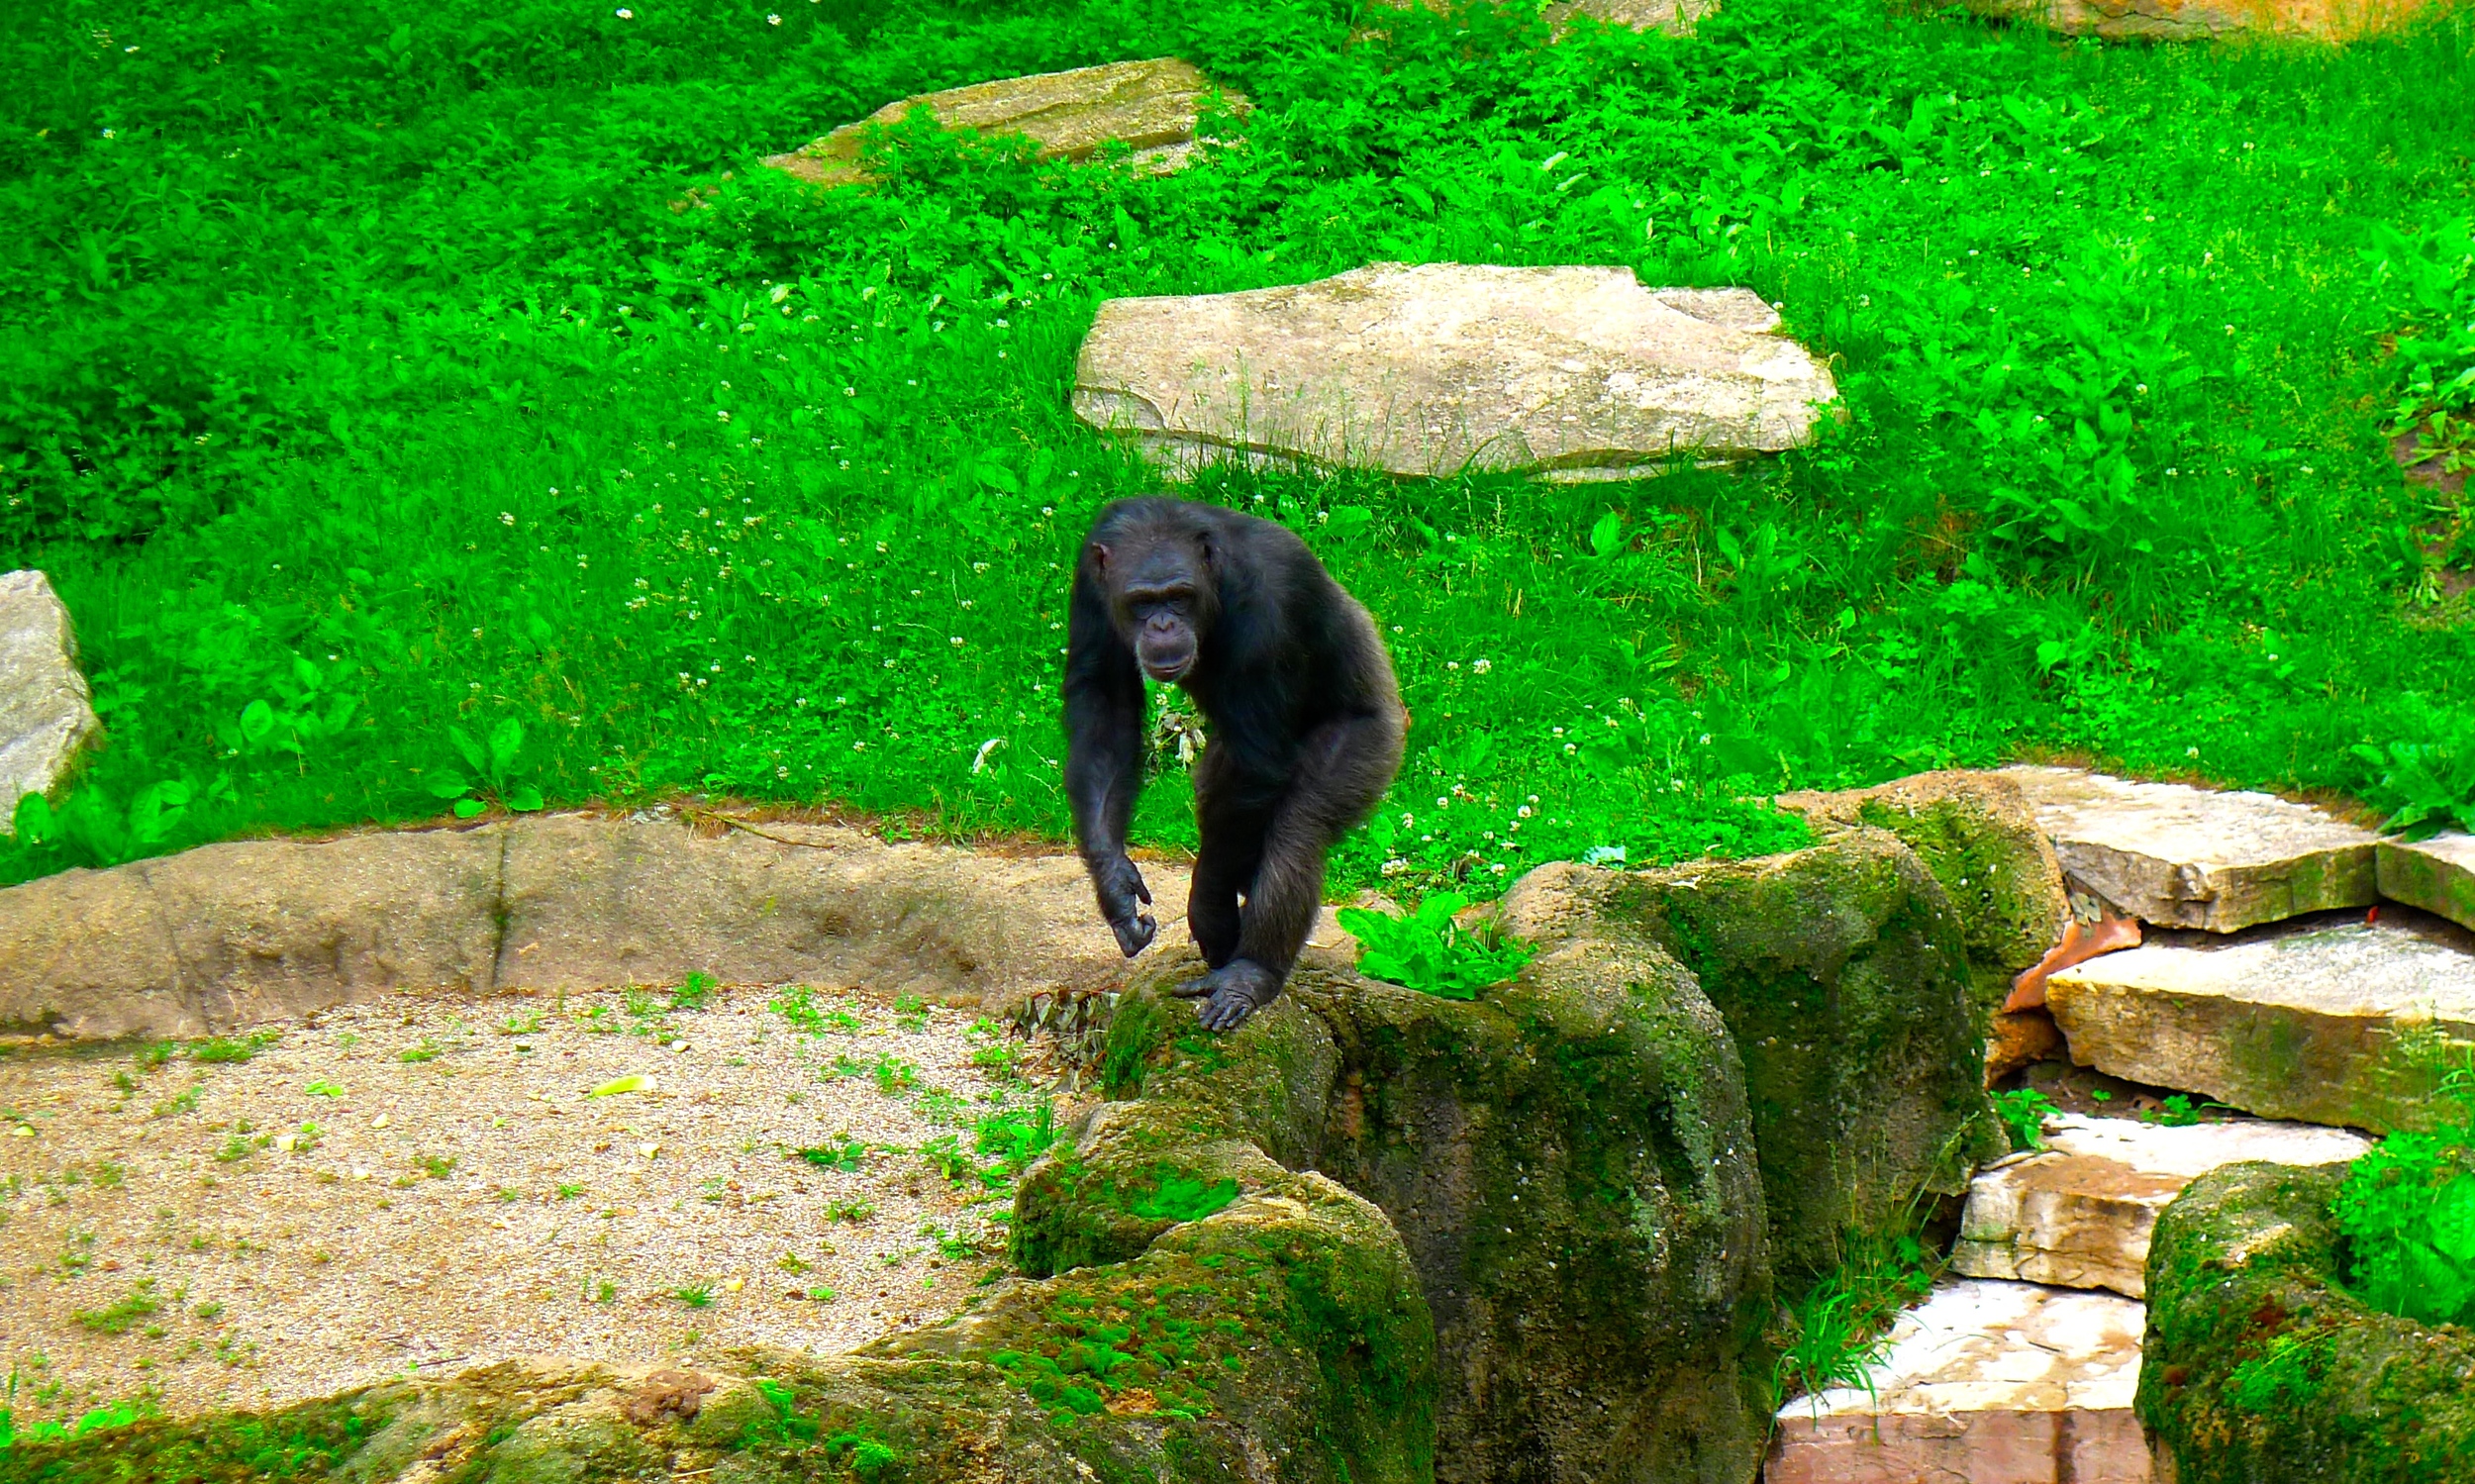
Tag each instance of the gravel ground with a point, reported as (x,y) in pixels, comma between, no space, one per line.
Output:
(168,1233)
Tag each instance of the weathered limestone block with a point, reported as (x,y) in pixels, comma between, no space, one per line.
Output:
(2315,1022)
(1566,1159)
(2209,20)
(1977,834)
(232,934)
(2260,1367)
(2078,1213)
(1844,979)
(2437,875)
(1575,372)
(1674,17)
(1152,105)
(1985,1382)
(46,713)
(2185,857)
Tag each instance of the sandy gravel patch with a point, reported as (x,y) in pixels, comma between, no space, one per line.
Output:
(204,1234)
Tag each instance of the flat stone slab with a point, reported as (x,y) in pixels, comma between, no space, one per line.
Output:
(1571,373)
(46,713)
(1152,105)
(2208,20)
(2078,1213)
(1674,17)
(2180,856)
(2318,1021)
(1985,1382)
(2436,875)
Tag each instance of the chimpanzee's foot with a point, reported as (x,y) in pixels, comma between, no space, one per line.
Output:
(1236,990)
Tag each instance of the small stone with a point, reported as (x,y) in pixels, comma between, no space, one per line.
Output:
(1150,106)
(2304,1022)
(47,712)
(2079,1212)
(1985,1380)
(2206,20)
(735,1285)
(678,1045)
(648,1150)
(1568,373)
(23,1130)
(2180,856)
(2437,875)
(381,1121)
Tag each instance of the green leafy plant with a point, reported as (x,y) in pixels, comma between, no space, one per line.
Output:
(2429,786)
(1835,1331)
(694,994)
(1427,950)
(2024,1112)
(493,772)
(694,1295)
(122,1314)
(2408,1213)
(845,1154)
(219,1048)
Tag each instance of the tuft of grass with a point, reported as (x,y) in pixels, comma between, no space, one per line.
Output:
(1837,1330)
(694,1295)
(216,1049)
(122,1314)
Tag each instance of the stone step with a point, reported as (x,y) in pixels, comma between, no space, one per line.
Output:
(46,719)
(2186,857)
(1985,1382)
(2328,1021)
(2077,1213)
(2437,875)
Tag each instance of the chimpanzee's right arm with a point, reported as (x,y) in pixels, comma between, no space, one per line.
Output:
(1104,754)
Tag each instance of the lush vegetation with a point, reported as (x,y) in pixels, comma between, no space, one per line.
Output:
(2408,1213)
(378,378)
(1427,950)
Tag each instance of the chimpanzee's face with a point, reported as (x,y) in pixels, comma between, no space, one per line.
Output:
(1161,592)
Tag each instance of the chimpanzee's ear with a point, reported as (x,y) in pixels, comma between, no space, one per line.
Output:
(1203,545)
(1099,554)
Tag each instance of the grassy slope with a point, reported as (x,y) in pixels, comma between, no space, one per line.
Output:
(355,360)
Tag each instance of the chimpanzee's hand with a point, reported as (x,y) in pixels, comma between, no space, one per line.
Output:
(1236,989)
(1120,887)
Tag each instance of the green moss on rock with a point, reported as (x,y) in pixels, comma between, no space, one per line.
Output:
(1842,976)
(2260,1368)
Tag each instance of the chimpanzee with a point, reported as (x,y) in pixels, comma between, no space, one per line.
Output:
(1305,722)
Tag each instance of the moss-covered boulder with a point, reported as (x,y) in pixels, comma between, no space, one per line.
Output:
(1843,975)
(1281,1336)
(1978,834)
(2259,1368)
(1568,1160)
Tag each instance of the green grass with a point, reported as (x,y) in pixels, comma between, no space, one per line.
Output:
(385,426)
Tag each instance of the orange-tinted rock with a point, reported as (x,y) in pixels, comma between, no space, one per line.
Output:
(2206,20)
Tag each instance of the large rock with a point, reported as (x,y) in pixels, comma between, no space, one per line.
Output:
(1568,1161)
(1977,834)
(231,935)
(2262,1369)
(2185,857)
(2437,875)
(1150,106)
(1426,370)
(1984,1383)
(1674,17)
(1843,978)
(2079,1212)
(2320,1023)
(2209,20)
(46,713)
(1280,1337)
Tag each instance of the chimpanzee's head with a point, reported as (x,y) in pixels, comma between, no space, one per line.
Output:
(1163,592)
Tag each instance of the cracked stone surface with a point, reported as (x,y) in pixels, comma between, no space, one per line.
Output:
(1985,1382)
(2180,856)
(2207,19)
(1674,17)
(2436,875)
(1569,372)
(2078,1213)
(1152,105)
(47,713)
(2332,1021)
(249,931)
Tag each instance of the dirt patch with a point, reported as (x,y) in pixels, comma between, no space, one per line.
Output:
(169,1232)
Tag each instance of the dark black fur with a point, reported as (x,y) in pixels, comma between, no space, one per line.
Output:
(1305,720)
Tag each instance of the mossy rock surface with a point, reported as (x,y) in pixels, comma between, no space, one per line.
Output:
(2259,1368)
(1568,1160)
(1842,975)
(1978,834)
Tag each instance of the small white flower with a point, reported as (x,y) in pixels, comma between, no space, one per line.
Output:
(1523,812)
(625,13)
(1443,803)
(955,639)
(1481,666)
(1451,664)
(507,518)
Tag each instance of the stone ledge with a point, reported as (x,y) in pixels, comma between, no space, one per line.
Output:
(2437,875)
